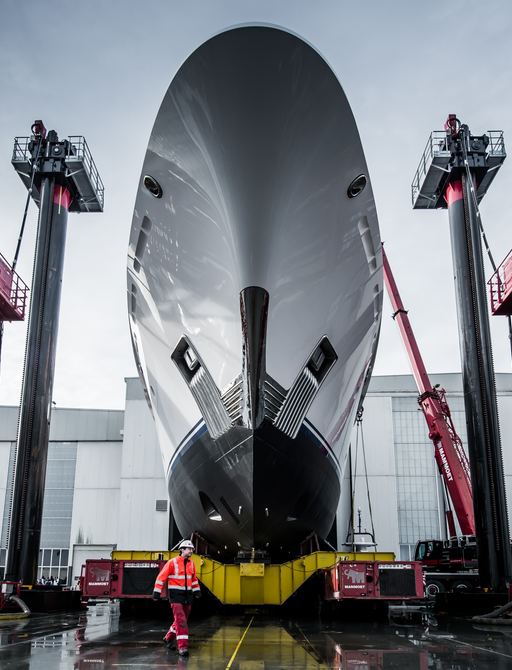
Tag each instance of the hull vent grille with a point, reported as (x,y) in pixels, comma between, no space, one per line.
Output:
(274,399)
(202,387)
(285,409)
(232,399)
(298,400)
(304,389)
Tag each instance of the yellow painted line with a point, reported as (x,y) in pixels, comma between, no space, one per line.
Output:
(17,615)
(239,645)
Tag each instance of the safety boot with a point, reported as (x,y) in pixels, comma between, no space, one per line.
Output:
(170,640)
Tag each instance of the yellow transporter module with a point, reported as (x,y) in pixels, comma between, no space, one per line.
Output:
(257,583)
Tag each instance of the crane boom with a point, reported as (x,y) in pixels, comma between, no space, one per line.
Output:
(449,453)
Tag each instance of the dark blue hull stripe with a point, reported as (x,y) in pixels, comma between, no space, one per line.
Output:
(200,429)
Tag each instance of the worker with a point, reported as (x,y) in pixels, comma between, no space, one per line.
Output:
(182,586)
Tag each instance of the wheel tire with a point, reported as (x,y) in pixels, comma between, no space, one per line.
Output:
(433,588)
(462,586)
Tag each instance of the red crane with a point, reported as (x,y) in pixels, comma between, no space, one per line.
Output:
(450,456)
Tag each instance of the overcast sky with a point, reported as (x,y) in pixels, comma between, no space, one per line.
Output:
(101,69)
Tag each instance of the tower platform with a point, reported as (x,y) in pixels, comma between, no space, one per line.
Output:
(485,155)
(81,173)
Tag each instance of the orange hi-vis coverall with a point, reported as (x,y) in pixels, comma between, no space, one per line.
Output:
(182,586)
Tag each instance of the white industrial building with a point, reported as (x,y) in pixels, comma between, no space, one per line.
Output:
(105,484)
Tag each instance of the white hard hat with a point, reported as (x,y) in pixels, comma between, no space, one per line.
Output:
(185,544)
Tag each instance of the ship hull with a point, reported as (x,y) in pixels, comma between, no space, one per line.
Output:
(254,288)
(251,486)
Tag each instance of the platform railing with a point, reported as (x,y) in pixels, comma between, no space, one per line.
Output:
(80,149)
(21,151)
(437,147)
(496,146)
(12,288)
(500,284)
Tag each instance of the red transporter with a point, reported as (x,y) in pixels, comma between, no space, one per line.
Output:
(182,586)
(374,580)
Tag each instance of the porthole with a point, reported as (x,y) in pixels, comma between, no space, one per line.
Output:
(153,186)
(357,186)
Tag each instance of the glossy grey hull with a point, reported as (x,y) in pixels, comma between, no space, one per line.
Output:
(255,287)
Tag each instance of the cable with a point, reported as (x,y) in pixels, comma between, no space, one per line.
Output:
(24,219)
(468,186)
(472,190)
(367,484)
(446,503)
(351,527)
(10,495)
(27,202)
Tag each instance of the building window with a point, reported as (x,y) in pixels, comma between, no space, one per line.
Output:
(57,510)
(407,552)
(7,504)
(419,514)
(54,563)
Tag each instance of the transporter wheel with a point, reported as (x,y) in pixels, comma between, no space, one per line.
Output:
(433,588)
(462,586)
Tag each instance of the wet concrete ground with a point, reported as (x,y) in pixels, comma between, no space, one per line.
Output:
(100,638)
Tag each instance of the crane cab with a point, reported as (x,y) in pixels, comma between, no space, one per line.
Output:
(459,553)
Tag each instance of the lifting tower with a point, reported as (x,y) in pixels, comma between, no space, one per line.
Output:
(455,172)
(61,177)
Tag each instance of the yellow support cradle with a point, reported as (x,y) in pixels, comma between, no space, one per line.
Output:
(257,583)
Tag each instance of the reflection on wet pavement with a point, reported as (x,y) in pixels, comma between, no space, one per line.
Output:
(101,639)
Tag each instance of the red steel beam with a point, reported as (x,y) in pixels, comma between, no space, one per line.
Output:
(448,449)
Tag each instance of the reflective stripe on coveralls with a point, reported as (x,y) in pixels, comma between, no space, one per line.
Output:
(181,614)
(180,575)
